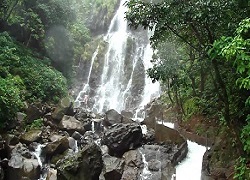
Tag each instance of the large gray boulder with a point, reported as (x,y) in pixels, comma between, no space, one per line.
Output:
(71,124)
(65,107)
(112,117)
(87,164)
(52,174)
(122,137)
(113,167)
(133,165)
(22,164)
(56,147)
(34,135)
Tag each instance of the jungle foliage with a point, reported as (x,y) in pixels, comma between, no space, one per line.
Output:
(202,57)
(36,38)
(25,76)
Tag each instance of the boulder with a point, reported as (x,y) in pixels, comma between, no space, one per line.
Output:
(34,111)
(87,164)
(127,114)
(65,107)
(88,138)
(21,116)
(72,143)
(130,173)
(56,147)
(122,137)
(22,164)
(97,125)
(112,117)
(133,165)
(31,136)
(113,167)
(55,137)
(12,140)
(133,158)
(159,159)
(154,112)
(76,135)
(70,124)
(52,174)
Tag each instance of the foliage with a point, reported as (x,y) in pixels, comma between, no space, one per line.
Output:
(211,74)
(10,98)
(40,81)
(245,138)
(36,124)
(191,107)
(241,170)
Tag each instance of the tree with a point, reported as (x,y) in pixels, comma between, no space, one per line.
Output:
(197,24)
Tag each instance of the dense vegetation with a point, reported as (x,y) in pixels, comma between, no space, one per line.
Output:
(202,59)
(40,41)
(25,77)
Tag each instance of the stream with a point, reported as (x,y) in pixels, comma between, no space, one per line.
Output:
(120,88)
(191,166)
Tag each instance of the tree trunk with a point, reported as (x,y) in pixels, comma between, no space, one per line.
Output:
(224,95)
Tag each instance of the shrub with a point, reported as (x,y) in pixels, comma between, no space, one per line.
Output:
(42,82)
(10,98)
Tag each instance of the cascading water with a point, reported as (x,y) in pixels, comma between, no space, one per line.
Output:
(37,154)
(191,166)
(123,83)
(86,88)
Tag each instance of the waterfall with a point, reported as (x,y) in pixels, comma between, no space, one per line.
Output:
(146,174)
(86,88)
(37,154)
(123,83)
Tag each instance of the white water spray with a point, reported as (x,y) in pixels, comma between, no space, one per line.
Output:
(123,83)
(191,166)
(86,88)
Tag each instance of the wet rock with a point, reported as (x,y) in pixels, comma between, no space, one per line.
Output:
(149,137)
(127,120)
(22,164)
(88,138)
(113,167)
(159,160)
(56,147)
(85,165)
(52,174)
(154,112)
(21,116)
(70,124)
(31,136)
(34,111)
(133,159)
(33,146)
(65,107)
(72,143)
(12,140)
(130,173)
(82,114)
(154,165)
(97,125)
(55,137)
(112,117)
(76,135)
(127,114)
(122,137)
